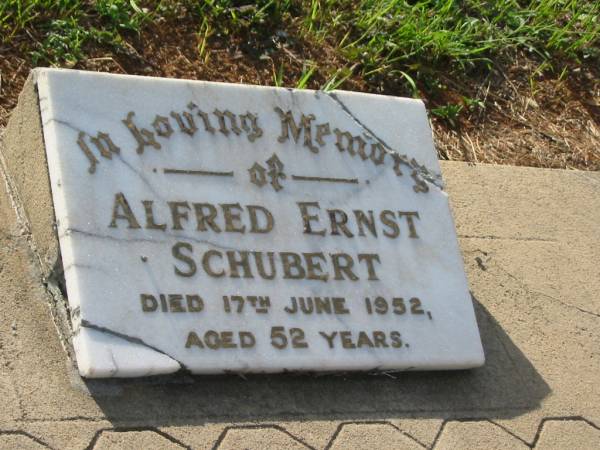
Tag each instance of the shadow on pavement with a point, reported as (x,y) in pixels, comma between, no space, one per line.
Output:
(506,386)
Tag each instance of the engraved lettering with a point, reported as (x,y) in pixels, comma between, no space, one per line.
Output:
(150,223)
(122,210)
(188,125)
(205,119)
(292,266)
(329,337)
(342,265)
(206,263)
(216,340)
(206,218)
(339,305)
(253,131)
(420,184)
(363,219)
(313,268)
(410,222)
(339,219)
(307,218)
(103,143)
(258,174)
(193,340)
(162,126)
(389,220)
(297,335)
(352,144)
(396,340)
(175,304)
(345,337)
(242,262)
(87,152)
(212,339)
(177,214)
(232,121)
(288,124)
(143,136)
(190,263)
(368,259)
(260,265)
(377,154)
(194,303)
(231,213)
(149,302)
(260,226)
(323,129)
(247,339)
(275,172)
(364,340)
(379,339)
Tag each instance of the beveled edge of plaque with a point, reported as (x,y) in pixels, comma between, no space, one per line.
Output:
(45,245)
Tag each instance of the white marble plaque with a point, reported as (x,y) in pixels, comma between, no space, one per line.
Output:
(227,228)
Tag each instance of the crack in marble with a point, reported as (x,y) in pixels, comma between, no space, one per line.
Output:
(135,340)
(412,164)
(117,155)
(68,231)
(142,177)
(85,266)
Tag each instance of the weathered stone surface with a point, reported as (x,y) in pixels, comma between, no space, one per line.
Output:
(315,433)
(213,228)
(201,436)
(65,435)
(258,438)
(366,436)
(561,434)
(134,439)
(13,265)
(24,155)
(477,436)
(20,440)
(423,429)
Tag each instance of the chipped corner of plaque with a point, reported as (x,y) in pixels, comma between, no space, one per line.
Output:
(99,352)
(107,353)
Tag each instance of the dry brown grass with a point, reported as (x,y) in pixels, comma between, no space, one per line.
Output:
(551,122)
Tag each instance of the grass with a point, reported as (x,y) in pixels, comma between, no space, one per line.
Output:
(408,47)
(68,26)
(382,35)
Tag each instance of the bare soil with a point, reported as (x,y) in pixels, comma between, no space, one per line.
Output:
(544,121)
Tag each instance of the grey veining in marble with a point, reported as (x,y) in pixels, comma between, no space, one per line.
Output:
(214,228)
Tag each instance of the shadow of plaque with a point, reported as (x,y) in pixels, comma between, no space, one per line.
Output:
(506,386)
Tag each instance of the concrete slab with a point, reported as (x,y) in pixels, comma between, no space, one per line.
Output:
(529,241)
(480,435)
(560,434)
(374,435)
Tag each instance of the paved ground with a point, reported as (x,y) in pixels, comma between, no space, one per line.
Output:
(531,244)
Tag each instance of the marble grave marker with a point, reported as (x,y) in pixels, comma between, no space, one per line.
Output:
(228,228)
